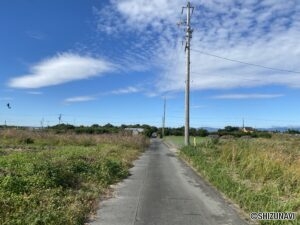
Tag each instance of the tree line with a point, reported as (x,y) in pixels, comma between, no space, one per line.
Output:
(149,130)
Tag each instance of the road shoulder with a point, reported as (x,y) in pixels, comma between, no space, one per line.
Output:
(176,150)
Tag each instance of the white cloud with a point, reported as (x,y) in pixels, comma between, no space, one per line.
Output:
(35,92)
(61,69)
(91,97)
(137,15)
(141,28)
(198,106)
(128,90)
(259,32)
(145,12)
(247,96)
(237,34)
(79,99)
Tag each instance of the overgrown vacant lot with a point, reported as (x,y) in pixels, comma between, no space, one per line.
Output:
(261,175)
(48,178)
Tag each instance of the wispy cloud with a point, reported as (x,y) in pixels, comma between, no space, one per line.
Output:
(85,98)
(35,92)
(198,106)
(258,32)
(149,24)
(138,15)
(60,69)
(247,96)
(127,90)
(264,33)
(35,35)
(79,99)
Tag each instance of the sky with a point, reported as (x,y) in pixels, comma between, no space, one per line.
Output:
(115,61)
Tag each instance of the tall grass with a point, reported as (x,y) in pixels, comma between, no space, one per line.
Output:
(261,175)
(59,183)
(179,140)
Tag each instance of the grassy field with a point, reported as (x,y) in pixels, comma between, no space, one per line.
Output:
(261,175)
(179,140)
(47,178)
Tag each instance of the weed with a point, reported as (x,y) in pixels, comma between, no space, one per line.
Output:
(60,177)
(259,174)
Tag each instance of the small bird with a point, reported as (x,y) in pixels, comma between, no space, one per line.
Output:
(8,105)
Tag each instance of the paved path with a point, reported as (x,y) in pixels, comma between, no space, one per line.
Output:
(164,191)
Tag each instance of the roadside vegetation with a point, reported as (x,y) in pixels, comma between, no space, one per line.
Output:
(260,174)
(56,178)
(179,140)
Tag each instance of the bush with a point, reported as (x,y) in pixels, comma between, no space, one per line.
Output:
(27,141)
(59,185)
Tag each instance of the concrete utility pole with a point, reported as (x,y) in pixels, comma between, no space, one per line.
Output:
(188,37)
(164,119)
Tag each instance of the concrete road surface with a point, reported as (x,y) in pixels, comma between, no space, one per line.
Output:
(162,190)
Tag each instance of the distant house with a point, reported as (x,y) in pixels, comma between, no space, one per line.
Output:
(134,131)
(247,130)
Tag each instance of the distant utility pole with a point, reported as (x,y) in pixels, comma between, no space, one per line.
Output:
(164,119)
(42,123)
(243,124)
(59,118)
(188,36)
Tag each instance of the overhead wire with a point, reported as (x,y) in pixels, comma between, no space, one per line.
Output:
(245,63)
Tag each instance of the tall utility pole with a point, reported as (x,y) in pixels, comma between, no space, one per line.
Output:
(188,37)
(164,119)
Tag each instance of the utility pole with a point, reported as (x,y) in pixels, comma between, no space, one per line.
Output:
(164,119)
(59,118)
(42,123)
(188,37)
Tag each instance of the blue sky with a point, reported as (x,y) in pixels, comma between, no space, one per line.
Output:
(114,61)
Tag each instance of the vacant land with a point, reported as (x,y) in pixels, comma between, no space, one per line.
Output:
(48,178)
(261,175)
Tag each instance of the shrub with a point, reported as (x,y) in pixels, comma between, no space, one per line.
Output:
(60,184)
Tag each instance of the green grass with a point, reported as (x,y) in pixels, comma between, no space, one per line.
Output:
(261,175)
(179,140)
(57,179)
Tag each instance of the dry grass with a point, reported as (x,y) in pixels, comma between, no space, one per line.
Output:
(17,139)
(260,174)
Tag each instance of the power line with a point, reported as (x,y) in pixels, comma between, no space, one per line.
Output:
(240,78)
(245,63)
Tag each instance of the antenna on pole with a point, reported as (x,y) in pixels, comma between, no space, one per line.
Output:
(188,36)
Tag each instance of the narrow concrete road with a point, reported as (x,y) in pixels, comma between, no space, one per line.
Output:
(164,191)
